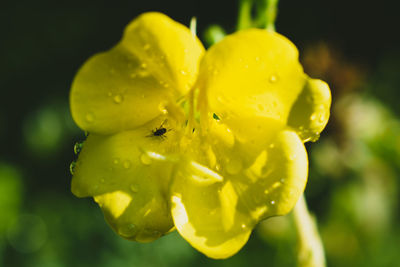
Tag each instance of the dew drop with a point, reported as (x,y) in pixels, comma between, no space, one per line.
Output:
(78,147)
(315,137)
(134,189)
(243,226)
(273,78)
(272,145)
(276,185)
(72,167)
(143,72)
(89,117)
(183,72)
(313,117)
(162,108)
(272,202)
(118,99)
(145,159)
(321,119)
(217,167)
(127,230)
(127,164)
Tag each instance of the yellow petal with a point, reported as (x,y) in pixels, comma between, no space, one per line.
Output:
(204,210)
(274,182)
(155,63)
(126,182)
(310,113)
(249,74)
(270,178)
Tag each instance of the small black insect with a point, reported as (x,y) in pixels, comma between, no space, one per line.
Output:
(160,131)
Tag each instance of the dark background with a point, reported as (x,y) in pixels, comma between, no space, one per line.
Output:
(43,44)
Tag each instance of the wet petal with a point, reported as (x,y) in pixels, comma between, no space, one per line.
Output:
(127,183)
(204,210)
(276,179)
(264,81)
(155,63)
(310,112)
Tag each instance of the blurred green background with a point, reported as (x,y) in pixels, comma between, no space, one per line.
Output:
(354,167)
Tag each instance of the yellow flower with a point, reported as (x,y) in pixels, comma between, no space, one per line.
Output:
(207,142)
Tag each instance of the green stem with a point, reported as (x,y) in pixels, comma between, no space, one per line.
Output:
(244,16)
(267,11)
(311,251)
(271,12)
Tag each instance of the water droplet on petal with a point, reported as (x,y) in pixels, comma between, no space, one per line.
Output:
(243,226)
(145,159)
(118,99)
(313,117)
(162,108)
(276,185)
(183,72)
(128,230)
(143,72)
(127,164)
(217,167)
(78,147)
(321,118)
(72,167)
(272,145)
(134,189)
(89,117)
(272,202)
(273,78)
